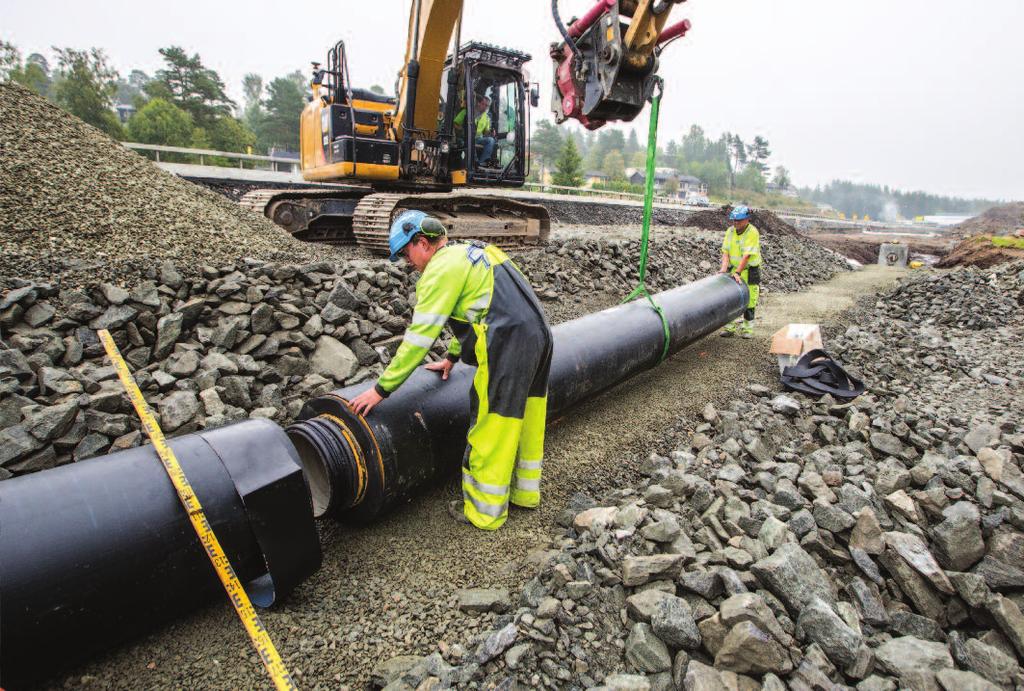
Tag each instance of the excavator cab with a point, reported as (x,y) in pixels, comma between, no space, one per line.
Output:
(485,116)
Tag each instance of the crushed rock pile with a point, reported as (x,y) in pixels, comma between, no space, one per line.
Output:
(969,299)
(999,220)
(785,542)
(76,205)
(979,251)
(975,247)
(611,213)
(255,339)
(718,219)
(585,265)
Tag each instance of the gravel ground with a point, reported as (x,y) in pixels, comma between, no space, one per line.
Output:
(390,588)
(76,206)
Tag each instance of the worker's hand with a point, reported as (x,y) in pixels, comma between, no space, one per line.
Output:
(723,271)
(365,402)
(442,366)
(737,278)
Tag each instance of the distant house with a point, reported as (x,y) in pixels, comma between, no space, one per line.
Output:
(688,184)
(772,188)
(124,112)
(595,176)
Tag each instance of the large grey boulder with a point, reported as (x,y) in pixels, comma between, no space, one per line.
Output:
(909,654)
(792,575)
(333,359)
(823,626)
(645,651)
(177,409)
(673,623)
(747,649)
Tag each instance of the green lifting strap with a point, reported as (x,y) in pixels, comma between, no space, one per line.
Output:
(652,152)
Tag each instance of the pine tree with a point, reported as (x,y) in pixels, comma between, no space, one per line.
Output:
(191,86)
(85,86)
(568,168)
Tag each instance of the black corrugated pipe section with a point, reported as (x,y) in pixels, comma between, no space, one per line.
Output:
(358,467)
(95,552)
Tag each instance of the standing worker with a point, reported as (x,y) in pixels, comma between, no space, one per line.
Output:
(500,329)
(741,258)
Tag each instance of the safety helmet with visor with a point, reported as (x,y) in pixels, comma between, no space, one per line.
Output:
(407,226)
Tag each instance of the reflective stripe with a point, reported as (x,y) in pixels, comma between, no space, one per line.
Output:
(417,340)
(428,319)
(528,484)
(529,465)
(500,490)
(473,311)
(492,510)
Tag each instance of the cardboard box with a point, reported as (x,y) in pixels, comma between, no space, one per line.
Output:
(792,341)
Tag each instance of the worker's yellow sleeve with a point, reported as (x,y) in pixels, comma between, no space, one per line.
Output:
(460,118)
(483,123)
(437,292)
(727,241)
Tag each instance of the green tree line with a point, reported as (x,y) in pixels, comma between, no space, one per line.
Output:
(725,164)
(880,201)
(184,104)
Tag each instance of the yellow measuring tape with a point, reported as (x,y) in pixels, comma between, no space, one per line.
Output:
(236,593)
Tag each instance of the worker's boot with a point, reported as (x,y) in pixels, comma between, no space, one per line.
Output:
(455,508)
(730,329)
(747,329)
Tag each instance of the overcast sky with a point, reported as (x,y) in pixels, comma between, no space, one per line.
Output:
(913,94)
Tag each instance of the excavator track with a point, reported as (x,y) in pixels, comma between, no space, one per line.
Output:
(312,215)
(502,221)
(357,215)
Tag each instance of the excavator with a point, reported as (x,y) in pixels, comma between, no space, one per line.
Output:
(459,125)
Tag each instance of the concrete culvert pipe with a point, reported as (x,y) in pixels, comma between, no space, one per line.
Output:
(95,552)
(357,467)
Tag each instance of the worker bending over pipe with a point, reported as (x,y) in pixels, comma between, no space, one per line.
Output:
(500,329)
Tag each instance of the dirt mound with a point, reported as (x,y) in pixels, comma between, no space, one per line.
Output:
(75,204)
(718,219)
(979,251)
(999,220)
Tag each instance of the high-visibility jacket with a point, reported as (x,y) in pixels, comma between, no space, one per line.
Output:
(483,122)
(457,283)
(497,318)
(738,244)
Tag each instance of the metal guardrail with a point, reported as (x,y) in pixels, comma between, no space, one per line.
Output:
(202,153)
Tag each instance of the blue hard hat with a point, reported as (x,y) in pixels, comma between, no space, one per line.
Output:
(407,226)
(739,213)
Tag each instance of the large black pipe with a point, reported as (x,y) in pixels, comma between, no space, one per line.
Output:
(98,551)
(359,467)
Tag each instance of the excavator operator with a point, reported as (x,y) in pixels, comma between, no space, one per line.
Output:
(483,127)
(501,330)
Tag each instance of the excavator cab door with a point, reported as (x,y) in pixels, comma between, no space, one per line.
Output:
(491,119)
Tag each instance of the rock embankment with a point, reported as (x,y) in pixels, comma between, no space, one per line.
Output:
(222,342)
(786,542)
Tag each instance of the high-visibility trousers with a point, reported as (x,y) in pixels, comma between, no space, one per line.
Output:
(505,444)
(752,277)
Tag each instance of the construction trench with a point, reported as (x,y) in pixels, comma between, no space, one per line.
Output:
(77,581)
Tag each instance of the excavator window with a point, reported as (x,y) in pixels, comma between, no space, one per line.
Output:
(498,103)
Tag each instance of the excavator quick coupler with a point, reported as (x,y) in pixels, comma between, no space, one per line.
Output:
(605,67)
